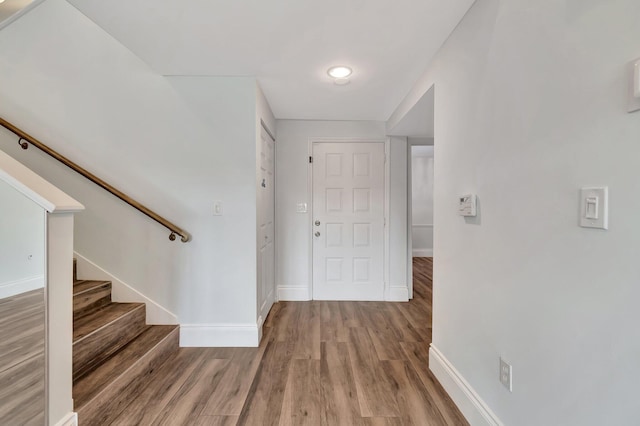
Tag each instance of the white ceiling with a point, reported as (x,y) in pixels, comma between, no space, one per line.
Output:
(288,45)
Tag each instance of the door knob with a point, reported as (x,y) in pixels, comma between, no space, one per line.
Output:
(317,223)
(317,234)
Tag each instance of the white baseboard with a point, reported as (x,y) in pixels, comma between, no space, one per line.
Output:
(219,335)
(294,294)
(122,292)
(422,252)
(397,294)
(260,323)
(474,409)
(24,285)
(71,419)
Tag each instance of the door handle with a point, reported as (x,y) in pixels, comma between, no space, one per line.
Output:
(317,234)
(317,223)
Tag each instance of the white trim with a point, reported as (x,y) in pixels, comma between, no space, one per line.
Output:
(11,288)
(260,323)
(310,219)
(219,335)
(474,409)
(423,252)
(36,188)
(20,13)
(387,186)
(71,419)
(294,294)
(122,292)
(397,294)
(387,221)
(409,221)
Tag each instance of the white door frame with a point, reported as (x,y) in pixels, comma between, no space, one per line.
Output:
(409,221)
(386,246)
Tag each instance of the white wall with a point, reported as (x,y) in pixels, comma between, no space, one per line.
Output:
(293,233)
(175,144)
(21,243)
(422,200)
(398,223)
(531,106)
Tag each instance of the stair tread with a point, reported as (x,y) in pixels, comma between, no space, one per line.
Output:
(102,316)
(94,382)
(81,286)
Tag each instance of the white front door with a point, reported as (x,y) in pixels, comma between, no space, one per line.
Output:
(348,221)
(266,212)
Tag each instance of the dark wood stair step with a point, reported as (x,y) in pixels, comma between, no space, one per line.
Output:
(102,332)
(89,295)
(105,392)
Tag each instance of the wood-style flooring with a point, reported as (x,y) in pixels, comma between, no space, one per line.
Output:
(22,359)
(319,363)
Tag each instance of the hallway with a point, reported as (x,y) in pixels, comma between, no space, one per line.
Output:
(319,363)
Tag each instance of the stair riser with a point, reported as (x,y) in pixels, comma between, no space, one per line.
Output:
(93,349)
(114,398)
(91,299)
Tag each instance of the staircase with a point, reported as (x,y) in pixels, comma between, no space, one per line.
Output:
(114,351)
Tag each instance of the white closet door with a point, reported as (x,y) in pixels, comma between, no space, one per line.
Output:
(266,231)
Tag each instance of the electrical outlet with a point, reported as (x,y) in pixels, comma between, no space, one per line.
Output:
(506,373)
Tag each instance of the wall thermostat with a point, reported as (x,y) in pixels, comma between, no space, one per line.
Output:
(467,205)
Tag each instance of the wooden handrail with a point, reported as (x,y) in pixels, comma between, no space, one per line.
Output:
(25,137)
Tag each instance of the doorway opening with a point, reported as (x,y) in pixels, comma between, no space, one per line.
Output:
(420,168)
(418,127)
(422,198)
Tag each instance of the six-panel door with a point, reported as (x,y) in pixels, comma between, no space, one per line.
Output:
(348,221)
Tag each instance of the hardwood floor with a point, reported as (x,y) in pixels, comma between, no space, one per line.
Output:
(319,363)
(22,359)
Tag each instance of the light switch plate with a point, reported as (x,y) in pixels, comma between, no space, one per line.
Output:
(594,207)
(217,208)
(301,208)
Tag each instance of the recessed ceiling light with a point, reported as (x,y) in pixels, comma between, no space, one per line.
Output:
(339,72)
(341,81)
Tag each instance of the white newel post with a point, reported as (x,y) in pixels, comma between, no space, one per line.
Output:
(59,287)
